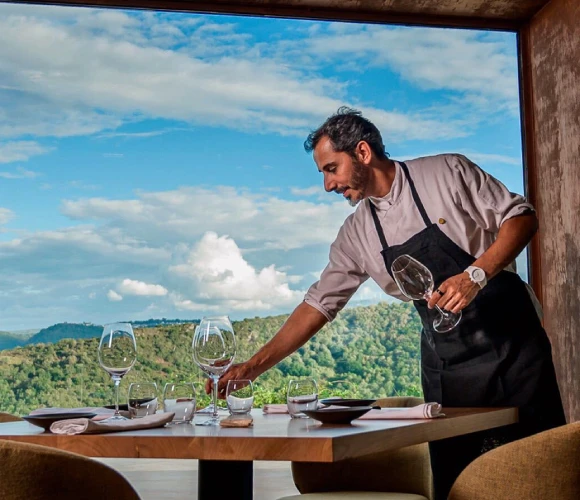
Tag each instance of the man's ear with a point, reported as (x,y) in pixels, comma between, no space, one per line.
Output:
(363,152)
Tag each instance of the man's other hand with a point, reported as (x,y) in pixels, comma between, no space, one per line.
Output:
(455,293)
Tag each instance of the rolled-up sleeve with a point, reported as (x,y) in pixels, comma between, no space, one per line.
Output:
(340,279)
(484,197)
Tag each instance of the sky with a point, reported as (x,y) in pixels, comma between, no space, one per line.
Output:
(152,164)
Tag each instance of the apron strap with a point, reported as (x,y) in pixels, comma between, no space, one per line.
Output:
(378,227)
(417,201)
(416,198)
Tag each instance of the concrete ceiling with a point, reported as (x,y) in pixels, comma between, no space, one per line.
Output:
(501,14)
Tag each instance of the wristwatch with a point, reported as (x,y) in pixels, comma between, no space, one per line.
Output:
(477,275)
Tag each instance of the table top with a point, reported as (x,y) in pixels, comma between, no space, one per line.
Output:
(272,437)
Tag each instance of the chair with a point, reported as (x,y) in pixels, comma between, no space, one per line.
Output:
(37,473)
(403,474)
(7,417)
(544,466)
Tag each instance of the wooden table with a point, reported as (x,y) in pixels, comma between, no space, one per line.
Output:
(226,455)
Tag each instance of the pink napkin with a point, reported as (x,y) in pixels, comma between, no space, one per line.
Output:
(275,408)
(426,410)
(90,426)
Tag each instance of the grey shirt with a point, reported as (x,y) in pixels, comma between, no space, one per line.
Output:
(468,204)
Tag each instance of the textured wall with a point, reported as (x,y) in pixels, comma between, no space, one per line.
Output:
(553,59)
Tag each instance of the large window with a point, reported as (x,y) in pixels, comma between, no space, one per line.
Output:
(152,163)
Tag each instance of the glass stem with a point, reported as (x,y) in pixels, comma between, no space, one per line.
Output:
(117,381)
(215,396)
(445,314)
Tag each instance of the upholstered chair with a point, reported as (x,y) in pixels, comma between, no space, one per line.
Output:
(403,474)
(545,466)
(37,472)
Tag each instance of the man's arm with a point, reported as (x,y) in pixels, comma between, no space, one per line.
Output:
(300,326)
(514,234)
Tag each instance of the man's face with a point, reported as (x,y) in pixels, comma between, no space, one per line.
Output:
(342,173)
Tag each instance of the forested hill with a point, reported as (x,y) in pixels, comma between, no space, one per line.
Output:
(366,351)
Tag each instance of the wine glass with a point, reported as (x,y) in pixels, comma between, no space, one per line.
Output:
(302,395)
(240,396)
(416,282)
(117,355)
(214,350)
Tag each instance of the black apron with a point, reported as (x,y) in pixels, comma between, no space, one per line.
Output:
(497,355)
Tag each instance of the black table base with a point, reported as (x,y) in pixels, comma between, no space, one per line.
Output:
(225,479)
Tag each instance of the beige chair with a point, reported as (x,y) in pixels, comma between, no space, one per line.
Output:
(35,472)
(7,417)
(545,466)
(403,474)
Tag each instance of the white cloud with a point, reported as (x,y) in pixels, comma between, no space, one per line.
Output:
(215,273)
(20,150)
(133,287)
(114,296)
(21,173)
(6,215)
(86,72)
(183,215)
(310,191)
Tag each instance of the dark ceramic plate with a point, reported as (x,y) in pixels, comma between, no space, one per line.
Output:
(338,415)
(348,402)
(45,421)
(124,407)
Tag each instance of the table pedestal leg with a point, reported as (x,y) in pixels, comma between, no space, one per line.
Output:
(225,479)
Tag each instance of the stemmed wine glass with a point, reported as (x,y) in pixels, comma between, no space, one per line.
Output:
(117,355)
(416,282)
(214,350)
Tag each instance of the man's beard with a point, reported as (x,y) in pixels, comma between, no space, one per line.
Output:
(358,181)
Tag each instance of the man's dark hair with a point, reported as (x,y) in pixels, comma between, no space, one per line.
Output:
(345,129)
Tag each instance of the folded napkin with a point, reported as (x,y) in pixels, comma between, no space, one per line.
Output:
(425,410)
(275,408)
(89,426)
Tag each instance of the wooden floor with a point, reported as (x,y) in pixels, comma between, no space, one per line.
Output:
(177,479)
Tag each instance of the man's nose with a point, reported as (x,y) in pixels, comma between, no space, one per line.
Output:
(329,185)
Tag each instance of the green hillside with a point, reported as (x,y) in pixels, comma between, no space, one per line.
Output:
(366,351)
(9,340)
(61,331)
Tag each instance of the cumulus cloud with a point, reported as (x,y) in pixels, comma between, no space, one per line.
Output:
(215,273)
(133,287)
(114,296)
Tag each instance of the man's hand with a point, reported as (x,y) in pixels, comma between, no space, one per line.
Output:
(455,293)
(239,371)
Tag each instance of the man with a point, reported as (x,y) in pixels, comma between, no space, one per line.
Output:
(467,228)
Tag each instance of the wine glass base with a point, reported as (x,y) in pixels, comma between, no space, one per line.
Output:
(211,421)
(114,418)
(446,324)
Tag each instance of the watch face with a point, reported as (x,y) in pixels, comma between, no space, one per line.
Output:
(478,274)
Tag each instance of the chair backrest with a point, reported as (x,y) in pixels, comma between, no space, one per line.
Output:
(7,417)
(38,473)
(406,470)
(544,466)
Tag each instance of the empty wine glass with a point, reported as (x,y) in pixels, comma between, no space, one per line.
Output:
(302,395)
(416,282)
(214,350)
(117,355)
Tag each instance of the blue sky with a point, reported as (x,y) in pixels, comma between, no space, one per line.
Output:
(151,164)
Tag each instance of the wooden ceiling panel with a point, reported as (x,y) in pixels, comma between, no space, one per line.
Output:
(500,14)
